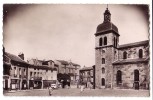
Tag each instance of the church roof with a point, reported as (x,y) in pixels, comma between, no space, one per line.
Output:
(130,61)
(105,27)
(146,42)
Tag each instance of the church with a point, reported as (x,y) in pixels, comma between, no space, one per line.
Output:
(119,66)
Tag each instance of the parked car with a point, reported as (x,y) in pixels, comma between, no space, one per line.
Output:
(54,84)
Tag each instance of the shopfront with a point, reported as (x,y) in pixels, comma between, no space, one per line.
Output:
(35,83)
(15,84)
(24,84)
(6,82)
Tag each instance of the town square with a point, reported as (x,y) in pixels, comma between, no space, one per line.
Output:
(76,50)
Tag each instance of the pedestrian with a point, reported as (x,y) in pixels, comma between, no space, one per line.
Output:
(50,90)
(91,86)
(77,83)
(68,82)
(62,81)
(82,87)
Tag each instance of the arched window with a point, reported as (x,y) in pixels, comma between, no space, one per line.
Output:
(105,40)
(103,70)
(114,41)
(100,41)
(140,53)
(124,55)
(103,61)
(119,77)
(103,82)
(136,75)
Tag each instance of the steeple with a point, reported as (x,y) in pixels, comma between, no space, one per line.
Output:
(107,15)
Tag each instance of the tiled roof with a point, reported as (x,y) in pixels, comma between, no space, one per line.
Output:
(63,62)
(75,64)
(86,68)
(134,44)
(15,58)
(130,61)
(106,26)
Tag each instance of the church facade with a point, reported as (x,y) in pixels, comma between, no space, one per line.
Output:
(119,66)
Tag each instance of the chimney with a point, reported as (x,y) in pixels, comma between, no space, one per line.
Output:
(21,55)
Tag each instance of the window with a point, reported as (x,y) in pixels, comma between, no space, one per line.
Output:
(119,77)
(88,73)
(105,40)
(37,74)
(124,55)
(69,70)
(136,75)
(19,71)
(103,51)
(30,74)
(114,41)
(34,74)
(15,72)
(100,41)
(103,61)
(140,53)
(103,70)
(103,82)
(24,72)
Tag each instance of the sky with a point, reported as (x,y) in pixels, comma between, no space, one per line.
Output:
(66,31)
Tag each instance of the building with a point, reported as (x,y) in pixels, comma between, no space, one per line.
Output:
(6,71)
(41,73)
(87,74)
(15,72)
(69,68)
(119,66)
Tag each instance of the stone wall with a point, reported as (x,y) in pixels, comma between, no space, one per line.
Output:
(128,74)
(110,54)
(133,52)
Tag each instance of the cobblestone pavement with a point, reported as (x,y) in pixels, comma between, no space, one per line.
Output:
(86,92)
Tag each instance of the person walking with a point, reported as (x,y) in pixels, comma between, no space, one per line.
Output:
(68,83)
(82,87)
(91,86)
(50,90)
(78,83)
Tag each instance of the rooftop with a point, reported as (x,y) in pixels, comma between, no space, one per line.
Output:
(15,58)
(146,42)
(63,62)
(86,68)
(130,61)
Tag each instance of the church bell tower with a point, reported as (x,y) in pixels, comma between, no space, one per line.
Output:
(106,44)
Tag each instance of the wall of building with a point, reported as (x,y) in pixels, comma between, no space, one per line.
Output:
(128,74)
(133,53)
(109,53)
